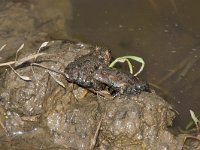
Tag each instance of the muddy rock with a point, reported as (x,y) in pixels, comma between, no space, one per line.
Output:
(137,122)
(26,103)
(47,112)
(28,22)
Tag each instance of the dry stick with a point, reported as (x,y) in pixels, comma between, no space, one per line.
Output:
(25,59)
(59,82)
(34,74)
(35,77)
(42,66)
(94,140)
(21,61)
(187,68)
(25,78)
(164,91)
(189,137)
(179,66)
(49,69)
(102,93)
(7,63)
(4,128)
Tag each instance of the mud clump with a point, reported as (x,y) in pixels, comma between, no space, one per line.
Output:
(42,114)
(137,123)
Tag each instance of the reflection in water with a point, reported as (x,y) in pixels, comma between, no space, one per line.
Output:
(165,33)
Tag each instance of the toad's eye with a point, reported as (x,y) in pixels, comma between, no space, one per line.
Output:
(143,86)
(138,87)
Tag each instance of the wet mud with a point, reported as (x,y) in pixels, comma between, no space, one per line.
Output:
(28,22)
(42,113)
(40,109)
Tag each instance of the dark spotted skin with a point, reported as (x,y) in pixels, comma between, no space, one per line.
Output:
(81,71)
(91,71)
(121,82)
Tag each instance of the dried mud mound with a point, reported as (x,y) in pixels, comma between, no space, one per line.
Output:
(45,114)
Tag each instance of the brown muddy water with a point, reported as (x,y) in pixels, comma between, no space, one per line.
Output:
(165,33)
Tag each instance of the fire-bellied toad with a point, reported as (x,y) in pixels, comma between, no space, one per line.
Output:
(81,71)
(91,71)
(121,82)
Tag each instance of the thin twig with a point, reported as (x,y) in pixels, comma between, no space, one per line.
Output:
(21,61)
(42,66)
(178,67)
(34,75)
(94,139)
(4,128)
(25,78)
(164,91)
(190,137)
(59,82)
(187,68)
(25,59)
(7,63)
(105,94)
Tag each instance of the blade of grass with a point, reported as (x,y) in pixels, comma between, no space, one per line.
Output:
(2,47)
(135,58)
(194,118)
(25,78)
(42,45)
(20,48)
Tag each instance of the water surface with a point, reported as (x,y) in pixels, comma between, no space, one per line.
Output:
(165,33)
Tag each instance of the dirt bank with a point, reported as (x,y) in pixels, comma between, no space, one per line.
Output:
(47,112)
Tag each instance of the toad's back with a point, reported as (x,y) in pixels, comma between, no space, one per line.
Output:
(120,81)
(81,70)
